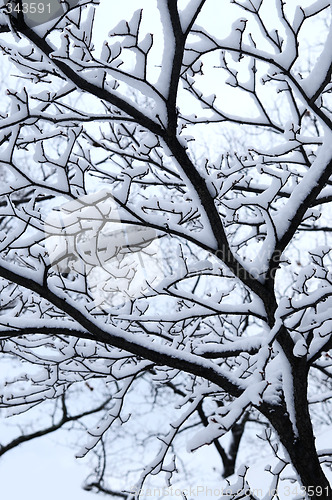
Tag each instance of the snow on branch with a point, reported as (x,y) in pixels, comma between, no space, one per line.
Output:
(165,190)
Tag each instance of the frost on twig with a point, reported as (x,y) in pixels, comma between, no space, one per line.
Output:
(164,235)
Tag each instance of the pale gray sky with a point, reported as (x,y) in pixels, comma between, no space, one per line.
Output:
(42,470)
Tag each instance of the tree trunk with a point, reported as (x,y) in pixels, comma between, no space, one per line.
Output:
(301,447)
(306,463)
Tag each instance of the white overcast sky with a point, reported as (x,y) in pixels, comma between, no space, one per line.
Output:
(42,470)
